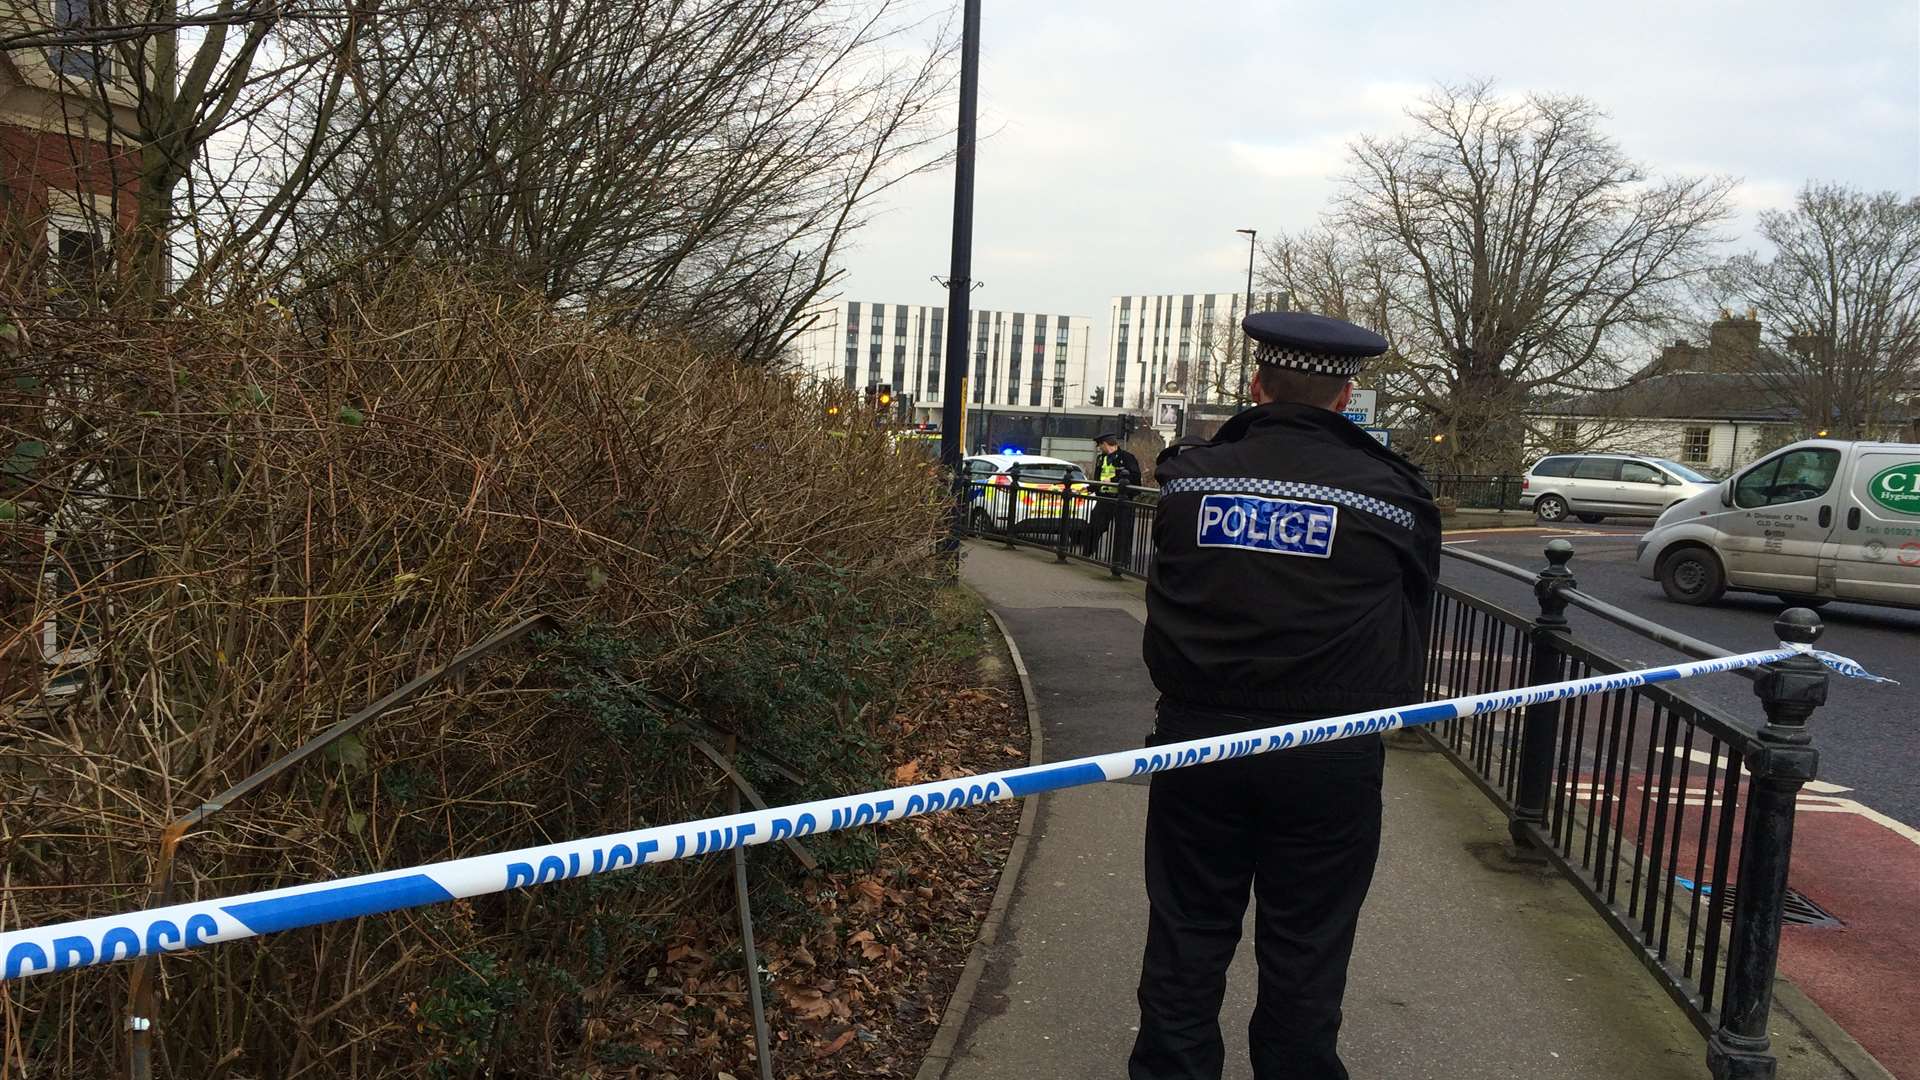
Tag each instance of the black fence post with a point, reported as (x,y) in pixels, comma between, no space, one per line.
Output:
(1789,691)
(1542,723)
(1068,501)
(1013,503)
(1116,525)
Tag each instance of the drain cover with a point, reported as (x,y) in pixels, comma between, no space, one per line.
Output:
(1798,910)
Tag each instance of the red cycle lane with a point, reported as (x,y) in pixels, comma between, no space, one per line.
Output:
(1865,870)
(1860,866)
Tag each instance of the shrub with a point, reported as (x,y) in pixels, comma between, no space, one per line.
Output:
(254,522)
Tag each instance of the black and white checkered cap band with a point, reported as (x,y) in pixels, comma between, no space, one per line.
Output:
(1319,363)
(1288,489)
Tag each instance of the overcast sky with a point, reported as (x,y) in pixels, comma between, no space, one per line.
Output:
(1126,140)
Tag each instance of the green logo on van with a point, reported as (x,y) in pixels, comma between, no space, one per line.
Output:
(1897,488)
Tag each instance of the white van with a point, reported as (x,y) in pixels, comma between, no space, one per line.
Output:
(1816,521)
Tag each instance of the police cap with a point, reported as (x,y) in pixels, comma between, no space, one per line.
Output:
(1106,436)
(1315,343)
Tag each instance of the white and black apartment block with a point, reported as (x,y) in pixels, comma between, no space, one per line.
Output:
(1191,341)
(1018,358)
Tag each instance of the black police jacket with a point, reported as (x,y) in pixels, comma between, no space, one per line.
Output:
(1293,570)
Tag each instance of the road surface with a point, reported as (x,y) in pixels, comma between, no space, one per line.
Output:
(1868,736)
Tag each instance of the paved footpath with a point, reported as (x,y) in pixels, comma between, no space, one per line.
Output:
(1467,966)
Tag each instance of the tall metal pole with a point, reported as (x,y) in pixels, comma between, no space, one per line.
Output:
(762,1042)
(1246,343)
(960,276)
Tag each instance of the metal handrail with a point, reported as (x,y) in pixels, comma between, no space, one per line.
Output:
(1071,496)
(1712,718)
(1715,954)
(1619,616)
(1486,491)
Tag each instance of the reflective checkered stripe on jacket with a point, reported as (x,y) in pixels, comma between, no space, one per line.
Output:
(1288,489)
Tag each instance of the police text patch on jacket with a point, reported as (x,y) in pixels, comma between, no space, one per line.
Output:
(1295,560)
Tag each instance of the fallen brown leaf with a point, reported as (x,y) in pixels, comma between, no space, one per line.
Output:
(837,1044)
(808,1003)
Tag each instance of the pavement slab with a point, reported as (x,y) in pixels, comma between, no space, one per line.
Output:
(1469,965)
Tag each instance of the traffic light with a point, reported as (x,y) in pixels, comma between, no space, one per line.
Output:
(833,411)
(885,400)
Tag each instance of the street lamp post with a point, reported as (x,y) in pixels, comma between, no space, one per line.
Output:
(1246,346)
(960,278)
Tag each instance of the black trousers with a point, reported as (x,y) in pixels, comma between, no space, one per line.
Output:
(1117,516)
(1301,828)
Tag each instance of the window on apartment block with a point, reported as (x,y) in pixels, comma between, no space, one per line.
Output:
(80,61)
(79,252)
(1696,444)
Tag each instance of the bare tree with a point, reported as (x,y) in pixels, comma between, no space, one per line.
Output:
(1504,247)
(697,165)
(693,167)
(1211,374)
(1327,271)
(1840,302)
(161,80)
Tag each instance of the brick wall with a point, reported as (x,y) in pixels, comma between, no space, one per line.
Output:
(32,162)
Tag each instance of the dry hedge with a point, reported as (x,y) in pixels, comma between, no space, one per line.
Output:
(247,523)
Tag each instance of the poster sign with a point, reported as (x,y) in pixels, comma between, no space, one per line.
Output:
(1170,413)
(1362,407)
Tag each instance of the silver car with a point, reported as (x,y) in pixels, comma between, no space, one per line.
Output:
(1593,487)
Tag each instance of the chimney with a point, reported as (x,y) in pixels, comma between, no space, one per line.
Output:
(1732,343)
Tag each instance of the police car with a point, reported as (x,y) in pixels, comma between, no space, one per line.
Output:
(1044,502)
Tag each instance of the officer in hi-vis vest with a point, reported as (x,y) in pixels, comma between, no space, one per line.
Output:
(1292,579)
(1116,470)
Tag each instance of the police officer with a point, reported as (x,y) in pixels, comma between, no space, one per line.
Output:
(1116,470)
(1292,579)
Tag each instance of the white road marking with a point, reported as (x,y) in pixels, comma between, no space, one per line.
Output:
(1719,761)
(1589,791)
(1898,828)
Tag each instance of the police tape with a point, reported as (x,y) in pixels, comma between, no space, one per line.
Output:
(179,927)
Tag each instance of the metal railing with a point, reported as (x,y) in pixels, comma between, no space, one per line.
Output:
(1109,525)
(1673,818)
(1478,491)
